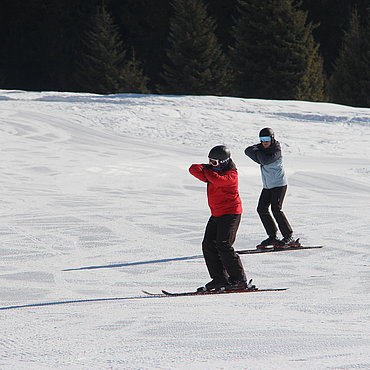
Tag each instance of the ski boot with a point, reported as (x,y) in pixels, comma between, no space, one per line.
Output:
(241,285)
(269,242)
(214,285)
(287,242)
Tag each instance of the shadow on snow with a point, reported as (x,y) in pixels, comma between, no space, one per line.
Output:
(43,304)
(134,263)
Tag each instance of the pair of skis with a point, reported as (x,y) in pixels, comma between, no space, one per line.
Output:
(165,293)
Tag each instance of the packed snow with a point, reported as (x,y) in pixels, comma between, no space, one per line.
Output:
(97,204)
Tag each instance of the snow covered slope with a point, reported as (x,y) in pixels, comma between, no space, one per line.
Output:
(96,195)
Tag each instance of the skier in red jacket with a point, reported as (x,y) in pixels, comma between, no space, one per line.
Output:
(223,263)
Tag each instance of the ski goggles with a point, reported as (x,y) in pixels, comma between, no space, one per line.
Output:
(265,138)
(216,162)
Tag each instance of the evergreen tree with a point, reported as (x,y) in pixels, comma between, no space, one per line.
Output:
(196,63)
(144,26)
(350,82)
(224,13)
(275,55)
(103,67)
(332,17)
(133,77)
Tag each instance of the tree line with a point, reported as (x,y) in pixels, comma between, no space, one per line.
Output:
(270,49)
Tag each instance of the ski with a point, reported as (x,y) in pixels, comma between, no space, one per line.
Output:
(165,293)
(153,294)
(271,249)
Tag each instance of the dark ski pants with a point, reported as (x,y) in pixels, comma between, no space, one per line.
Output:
(222,261)
(274,197)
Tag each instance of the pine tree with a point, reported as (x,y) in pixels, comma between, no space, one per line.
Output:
(104,68)
(275,55)
(144,25)
(350,82)
(196,63)
(133,77)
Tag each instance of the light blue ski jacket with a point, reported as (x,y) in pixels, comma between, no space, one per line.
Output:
(271,163)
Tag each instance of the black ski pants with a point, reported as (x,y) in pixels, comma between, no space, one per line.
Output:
(274,197)
(222,261)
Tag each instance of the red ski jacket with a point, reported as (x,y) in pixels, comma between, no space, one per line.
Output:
(222,189)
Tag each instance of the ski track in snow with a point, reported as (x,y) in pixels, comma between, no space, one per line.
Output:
(90,180)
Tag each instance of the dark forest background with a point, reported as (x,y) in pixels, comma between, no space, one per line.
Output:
(272,49)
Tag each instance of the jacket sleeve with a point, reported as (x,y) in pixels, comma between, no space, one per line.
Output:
(260,156)
(229,178)
(197,171)
(251,152)
(267,157)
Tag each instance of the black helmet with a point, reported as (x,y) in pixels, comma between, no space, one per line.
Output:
(267,131)
(221,153)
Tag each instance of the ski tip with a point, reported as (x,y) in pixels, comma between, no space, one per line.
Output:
(151,294)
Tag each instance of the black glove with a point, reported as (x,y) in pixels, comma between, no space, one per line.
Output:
(206,165)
